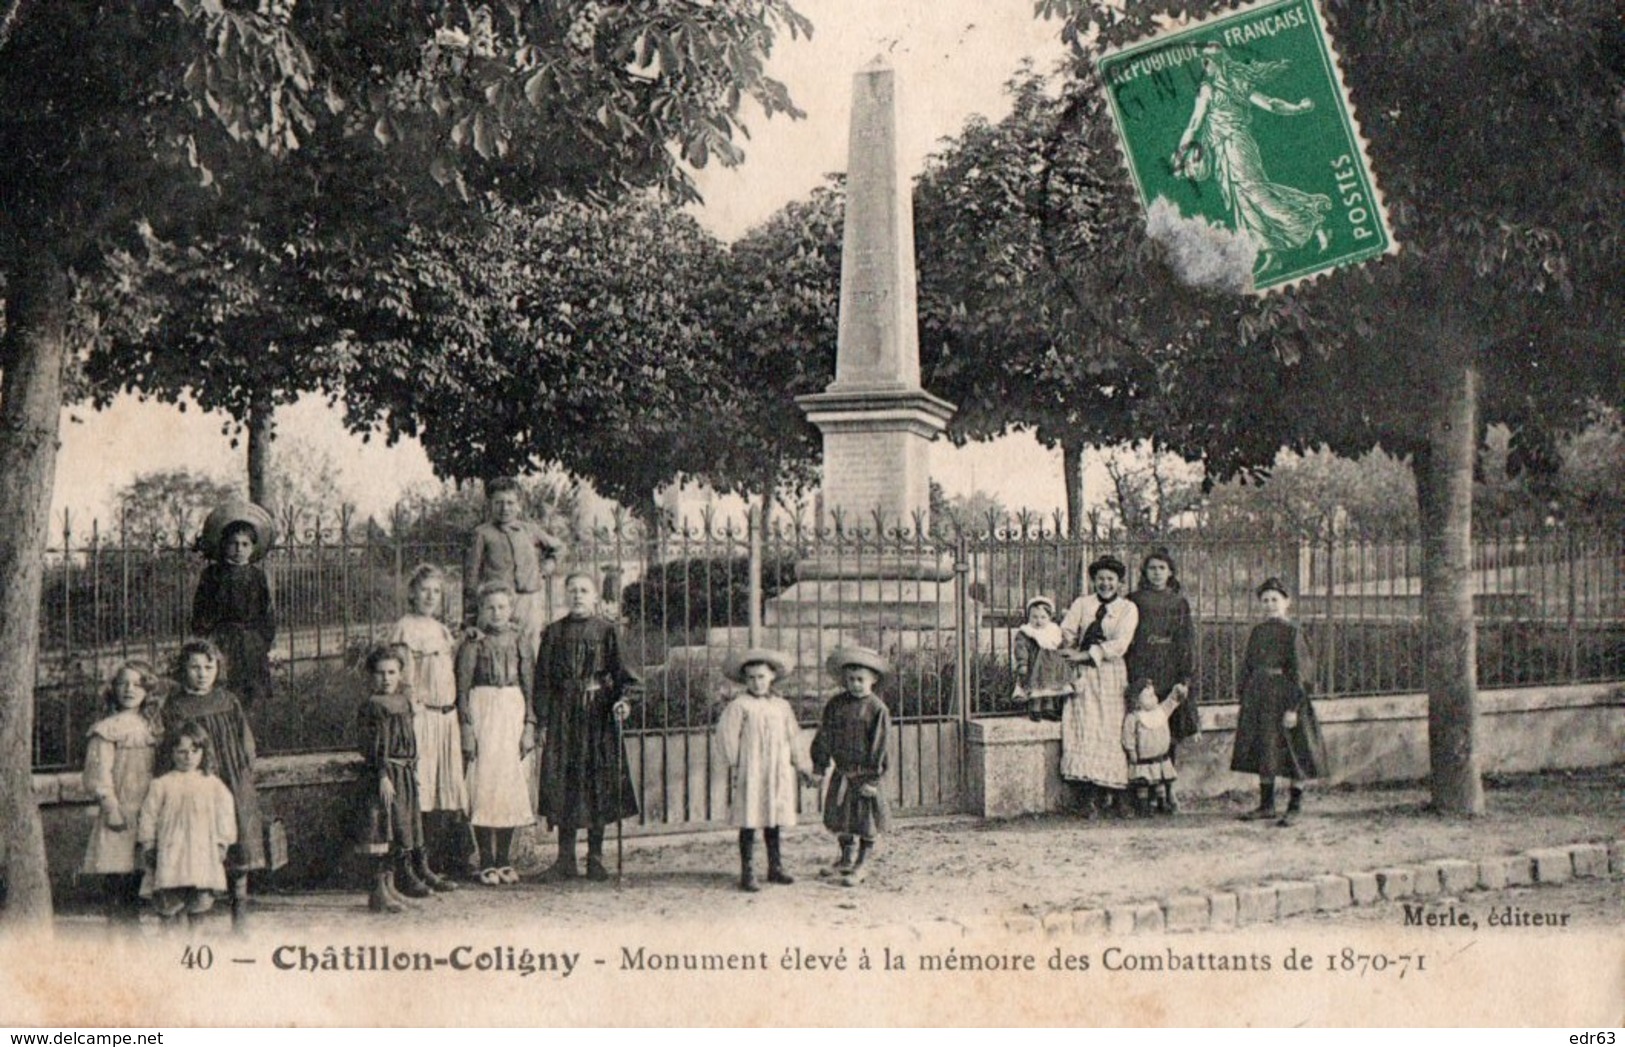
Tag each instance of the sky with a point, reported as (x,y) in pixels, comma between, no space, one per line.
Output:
(952,59)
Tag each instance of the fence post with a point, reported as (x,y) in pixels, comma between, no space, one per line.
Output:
(1573,603)
(1329,663)
(962,653)
(755,520)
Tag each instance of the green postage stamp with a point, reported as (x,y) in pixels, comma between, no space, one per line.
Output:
(1243,120)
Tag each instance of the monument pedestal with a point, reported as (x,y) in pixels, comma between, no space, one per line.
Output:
(877,443)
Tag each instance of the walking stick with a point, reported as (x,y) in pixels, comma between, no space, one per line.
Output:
(620,780)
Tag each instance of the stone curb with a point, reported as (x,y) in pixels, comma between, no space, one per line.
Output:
(1252,904)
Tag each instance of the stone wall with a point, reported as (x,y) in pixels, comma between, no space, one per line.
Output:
(1013,763)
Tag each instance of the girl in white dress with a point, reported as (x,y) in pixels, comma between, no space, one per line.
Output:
(761,742)
(187,822)
(431,684)
(118,772)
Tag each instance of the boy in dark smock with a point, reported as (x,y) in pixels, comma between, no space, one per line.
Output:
(852,736)
(581,690)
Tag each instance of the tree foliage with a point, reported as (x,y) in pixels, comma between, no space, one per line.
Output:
(166,508)
(1317,493)
(207,121)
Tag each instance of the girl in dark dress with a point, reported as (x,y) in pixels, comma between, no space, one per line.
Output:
(392,820)
(218,712)
(1164,649)
(582,692)
(1277,734)
(232,605)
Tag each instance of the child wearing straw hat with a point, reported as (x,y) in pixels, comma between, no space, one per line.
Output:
(761,743)
(851,743)
(232,605)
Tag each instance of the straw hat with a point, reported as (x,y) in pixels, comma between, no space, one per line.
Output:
(237,511)
(870,659)
(778,661)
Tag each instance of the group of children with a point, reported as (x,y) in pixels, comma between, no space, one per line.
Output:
(194,832)
(448,735)
(1044,680)
(1150,644)
(453,725)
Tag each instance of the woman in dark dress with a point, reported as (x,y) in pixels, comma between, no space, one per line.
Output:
(1164,648)
(1277,734)
(582,686)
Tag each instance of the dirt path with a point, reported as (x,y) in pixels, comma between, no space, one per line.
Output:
(961,871)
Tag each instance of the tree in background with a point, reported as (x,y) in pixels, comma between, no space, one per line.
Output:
(1151,490)
(1316,493)
(1591,470)
(571,335)
(1502,305)
(195,116)
(166,509)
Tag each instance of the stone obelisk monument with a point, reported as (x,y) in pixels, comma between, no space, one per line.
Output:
(877,422)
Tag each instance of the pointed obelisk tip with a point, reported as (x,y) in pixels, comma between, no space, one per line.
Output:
(877,64)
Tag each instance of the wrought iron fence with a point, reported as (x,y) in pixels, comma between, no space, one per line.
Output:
(943,606)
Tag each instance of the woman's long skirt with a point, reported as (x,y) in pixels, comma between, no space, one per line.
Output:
(1092,727)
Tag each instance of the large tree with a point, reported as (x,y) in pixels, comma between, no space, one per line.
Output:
(200,117)
(1495,129)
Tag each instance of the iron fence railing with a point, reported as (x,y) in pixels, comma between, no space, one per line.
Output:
(943,606)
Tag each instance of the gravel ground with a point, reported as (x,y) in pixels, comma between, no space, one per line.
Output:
(941,872)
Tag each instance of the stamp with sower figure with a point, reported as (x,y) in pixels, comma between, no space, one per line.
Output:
(1242,122)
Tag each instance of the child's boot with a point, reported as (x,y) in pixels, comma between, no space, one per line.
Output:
(420,865)
(747,860)
(1294,807)
(595,855)
(407,881)
(239,902)
(1142,801)
(382,899)
(859,871)
(775,859)
(393,889)
(1266,803)
(1170,802)
(843,864)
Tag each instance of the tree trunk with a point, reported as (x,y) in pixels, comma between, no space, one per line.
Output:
(261,430)
(1444,495)
(30,411)
(1072,452)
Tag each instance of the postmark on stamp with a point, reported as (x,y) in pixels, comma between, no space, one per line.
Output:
(1242,119)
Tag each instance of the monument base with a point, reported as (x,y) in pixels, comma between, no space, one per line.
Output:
(875,603)
(877,442)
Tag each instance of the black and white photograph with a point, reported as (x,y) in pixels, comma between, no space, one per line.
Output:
(803,513)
